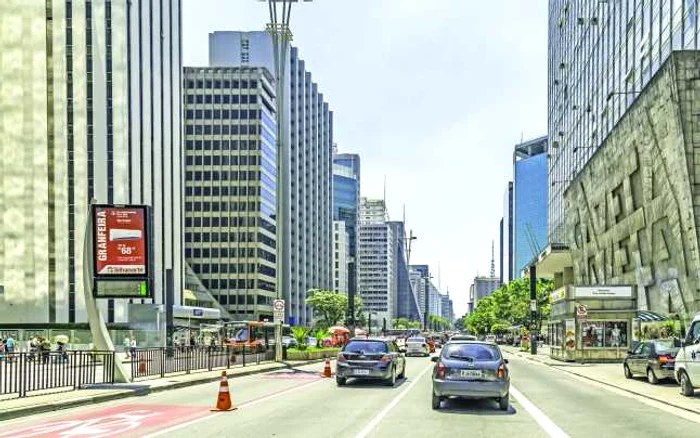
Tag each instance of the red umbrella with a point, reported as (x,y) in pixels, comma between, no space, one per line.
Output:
(338,329)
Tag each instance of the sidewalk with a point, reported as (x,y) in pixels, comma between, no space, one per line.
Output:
(611,374)
(19,407)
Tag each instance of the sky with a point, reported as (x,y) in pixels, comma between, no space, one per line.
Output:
(433,95)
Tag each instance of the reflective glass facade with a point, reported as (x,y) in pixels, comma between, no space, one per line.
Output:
(346,201)
(601,54)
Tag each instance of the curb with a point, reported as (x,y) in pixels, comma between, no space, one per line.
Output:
(127,393)
(619,388)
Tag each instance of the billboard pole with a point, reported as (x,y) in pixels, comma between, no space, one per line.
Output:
(100,335)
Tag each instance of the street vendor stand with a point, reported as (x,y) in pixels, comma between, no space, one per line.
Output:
(591,323)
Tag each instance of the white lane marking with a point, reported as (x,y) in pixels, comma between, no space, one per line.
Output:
(241,406)
(610,387)
(380,416)
(544,421)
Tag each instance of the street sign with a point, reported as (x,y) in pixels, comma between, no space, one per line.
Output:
(278,311)
(533,305)
(581,311)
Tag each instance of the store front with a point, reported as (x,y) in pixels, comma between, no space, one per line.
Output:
(591,323)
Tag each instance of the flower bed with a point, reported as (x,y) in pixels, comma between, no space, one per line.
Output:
(311,353)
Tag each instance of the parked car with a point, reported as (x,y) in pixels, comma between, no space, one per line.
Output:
(687,364)
(289,341)
(471,369)
(654,359)
(417,346)
(375,359)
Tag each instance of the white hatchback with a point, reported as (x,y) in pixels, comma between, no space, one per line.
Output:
(417,346)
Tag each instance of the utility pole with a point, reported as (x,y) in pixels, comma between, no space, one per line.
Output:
(281,35)
(533,309)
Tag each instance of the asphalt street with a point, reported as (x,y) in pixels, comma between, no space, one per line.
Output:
(298,403)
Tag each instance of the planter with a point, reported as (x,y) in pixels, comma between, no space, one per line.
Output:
(293,354)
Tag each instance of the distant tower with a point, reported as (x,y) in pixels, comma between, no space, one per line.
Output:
(493,261)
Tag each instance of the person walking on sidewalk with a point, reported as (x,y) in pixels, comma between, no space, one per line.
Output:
(127,346)
(10,347)
(132,347)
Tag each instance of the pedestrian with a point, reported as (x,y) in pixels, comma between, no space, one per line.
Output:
(2,348)
(45,346)
(132,347)
(192,341)
(127,345)
(9,347)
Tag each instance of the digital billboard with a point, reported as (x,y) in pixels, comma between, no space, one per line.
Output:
(121,251)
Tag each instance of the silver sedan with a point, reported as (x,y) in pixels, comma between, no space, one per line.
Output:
(471,369)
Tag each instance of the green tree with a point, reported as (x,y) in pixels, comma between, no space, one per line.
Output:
(458,324)
(329,304)
(300,333)
(320,335)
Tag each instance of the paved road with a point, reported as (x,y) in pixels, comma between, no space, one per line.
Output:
(545,402)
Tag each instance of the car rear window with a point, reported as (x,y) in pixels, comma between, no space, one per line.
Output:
(365,347)
(666,346)
(416,340)
(476,352)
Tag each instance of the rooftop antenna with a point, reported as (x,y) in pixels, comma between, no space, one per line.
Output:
(493,260)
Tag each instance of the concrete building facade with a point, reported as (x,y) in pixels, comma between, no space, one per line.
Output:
(341,255)
(506,236)
(230,186)
(305,253)
(377,260)
(601,55)
(90,108)
(481,288)
(633,212)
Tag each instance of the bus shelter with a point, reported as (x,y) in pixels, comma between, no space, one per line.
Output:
(591,323)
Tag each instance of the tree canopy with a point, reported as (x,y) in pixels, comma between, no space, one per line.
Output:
(509,305)
(330,305)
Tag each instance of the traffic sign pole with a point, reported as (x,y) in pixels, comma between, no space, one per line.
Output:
(278,317)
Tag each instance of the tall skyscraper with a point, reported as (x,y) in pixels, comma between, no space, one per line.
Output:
(341,254)
(406,303)
(346,206)
(305,254)
(420,275)
(481,288)
(376,260)
(230,186)
(601,55)
(506,244)
(90,105)
(529,202)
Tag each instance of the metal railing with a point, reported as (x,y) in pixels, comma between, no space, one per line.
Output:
(23,373)
(159,361)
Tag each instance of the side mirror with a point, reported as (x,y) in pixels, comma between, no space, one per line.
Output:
(434,358)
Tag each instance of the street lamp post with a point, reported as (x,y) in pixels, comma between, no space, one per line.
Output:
(278,28)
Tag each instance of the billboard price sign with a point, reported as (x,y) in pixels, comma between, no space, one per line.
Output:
(121,245)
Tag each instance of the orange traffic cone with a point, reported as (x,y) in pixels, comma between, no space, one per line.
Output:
(223,401)
(327,369)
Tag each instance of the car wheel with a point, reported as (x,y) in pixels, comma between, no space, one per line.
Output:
(341,381)
(436,401)
(686,386)
(504,402)
(391,381)
(651,377)
(628,373)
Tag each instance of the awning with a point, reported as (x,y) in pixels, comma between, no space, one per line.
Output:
(646,316)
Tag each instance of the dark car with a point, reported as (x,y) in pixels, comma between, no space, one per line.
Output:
(471,369)
(654,359)
(372,359)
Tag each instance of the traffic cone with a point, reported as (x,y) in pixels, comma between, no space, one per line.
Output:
(223,401)
(327,369)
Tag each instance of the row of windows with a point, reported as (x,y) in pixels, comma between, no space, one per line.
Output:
(233,300)
(225,98)
(225,252)
(241,236)
(234,268)
(222,145)
(221,160)
(222,175)
(221,191)
(224,114)
(244,221)
(222,129)
(219,84)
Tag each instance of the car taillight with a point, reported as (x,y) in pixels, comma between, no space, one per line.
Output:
(441,370)
(386,358)
(501,373)
(341,358)
(666,358)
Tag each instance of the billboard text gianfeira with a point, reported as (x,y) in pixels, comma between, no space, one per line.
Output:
(120,241)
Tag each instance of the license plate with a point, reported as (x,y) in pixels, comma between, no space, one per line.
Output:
(470,374)
(361,372)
